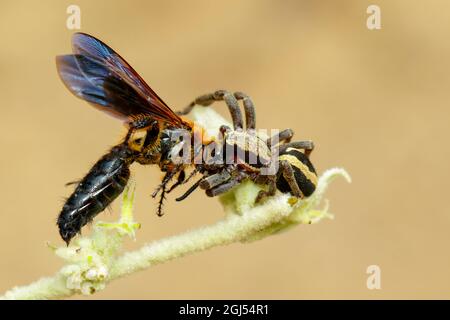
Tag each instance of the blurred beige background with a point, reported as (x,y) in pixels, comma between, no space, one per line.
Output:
(374,102)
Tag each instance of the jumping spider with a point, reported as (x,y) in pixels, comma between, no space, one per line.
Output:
(293,170)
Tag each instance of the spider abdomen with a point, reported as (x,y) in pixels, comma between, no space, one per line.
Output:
(304,172)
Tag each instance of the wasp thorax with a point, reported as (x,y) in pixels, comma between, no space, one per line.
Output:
(137,139)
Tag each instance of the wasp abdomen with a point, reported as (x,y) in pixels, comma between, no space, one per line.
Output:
(103,183)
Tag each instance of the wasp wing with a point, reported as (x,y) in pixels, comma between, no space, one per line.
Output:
(91,82)
(99,75)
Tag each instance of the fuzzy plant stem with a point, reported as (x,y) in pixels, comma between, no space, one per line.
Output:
(250,225)
(234,228)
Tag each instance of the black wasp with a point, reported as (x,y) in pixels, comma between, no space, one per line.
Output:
(100,76)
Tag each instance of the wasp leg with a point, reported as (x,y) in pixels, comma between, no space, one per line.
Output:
(180,180)
(283,136)
(307,145)
(162,187)
(215,180)
(288,174)
(210,98)
(161,202)
(189,177)
(166,179)
(272,189)
(222,188)
(249,108)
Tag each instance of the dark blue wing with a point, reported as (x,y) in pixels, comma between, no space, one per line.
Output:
(99,75)
(92,81)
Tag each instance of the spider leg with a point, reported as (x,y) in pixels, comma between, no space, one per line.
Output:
(306,145)
(288,174)
(215,180)
(249,108)
(272,183)
(283,136)
(222,188)
(219,95)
